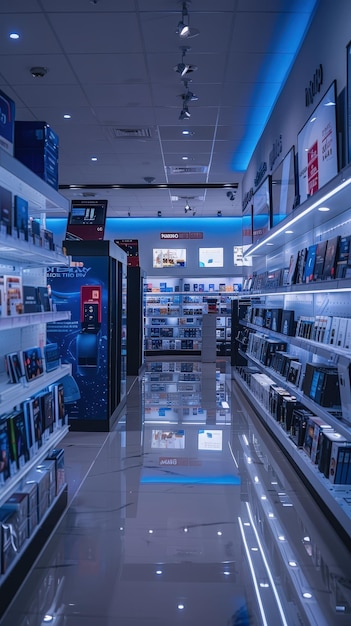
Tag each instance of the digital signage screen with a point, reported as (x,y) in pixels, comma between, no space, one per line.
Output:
(210,257)
(86,220)
(283,188)
(247,226)
(261,210)
(168,257)
(317,147)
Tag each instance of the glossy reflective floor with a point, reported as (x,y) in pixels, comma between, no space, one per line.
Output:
(188,514)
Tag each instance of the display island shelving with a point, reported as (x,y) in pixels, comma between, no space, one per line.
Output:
(298,375)
(26,256)
(174,312)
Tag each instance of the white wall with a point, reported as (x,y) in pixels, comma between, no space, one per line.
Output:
(216,232)
(325,44)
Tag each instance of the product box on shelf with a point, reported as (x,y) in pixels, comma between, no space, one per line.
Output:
(289,404)
(313,436)
(41,478)
(321,384)
(343,262)
(288,326)
(31,490)
(7,122)
(339,466)
(328,438)
(58,456)
(49,466)
(8,539)
(4,452)
(18,504)
(298,427)
(31,302)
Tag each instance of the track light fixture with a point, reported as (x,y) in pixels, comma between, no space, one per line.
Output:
(183,68)
(183,29)
(184,114)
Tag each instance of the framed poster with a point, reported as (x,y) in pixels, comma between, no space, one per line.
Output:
(317,147)
(283,188)
(261,210)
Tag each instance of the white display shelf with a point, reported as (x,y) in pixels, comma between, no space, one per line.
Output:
(28,319)
(42,198)
(322,286)
(27,254)
(28,541)
(324,350)
(337,498)
(335,194)
(14,481)
(13,394)
(317,409)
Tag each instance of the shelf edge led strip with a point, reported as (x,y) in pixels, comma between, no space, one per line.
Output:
(297,218)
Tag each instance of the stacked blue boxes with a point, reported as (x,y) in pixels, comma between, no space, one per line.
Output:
(37,146)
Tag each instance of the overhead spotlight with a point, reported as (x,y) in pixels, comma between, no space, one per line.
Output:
(219,213)
(189,96)
(183,29)
(183,68)
(184,114)
(159,213)
(187,207)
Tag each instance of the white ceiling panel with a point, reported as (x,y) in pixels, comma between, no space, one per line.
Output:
(110,65)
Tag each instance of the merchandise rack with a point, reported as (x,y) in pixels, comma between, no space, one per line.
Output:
(29,260)
(304,227)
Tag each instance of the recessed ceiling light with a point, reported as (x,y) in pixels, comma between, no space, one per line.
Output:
(323,209)
(292,563)
(158,571)
(14,36)
(67,116)
(289,232)
(281,538)
(307,595)
(180,607)
(219,533)
(185,158)
(94,158)
(269,243)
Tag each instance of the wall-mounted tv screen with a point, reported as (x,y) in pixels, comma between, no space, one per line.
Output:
(210,257)
(261,210)
(238,257)
(283,188)
(247,226)
(317,147)
(168,257)
(210,440)
(170,439)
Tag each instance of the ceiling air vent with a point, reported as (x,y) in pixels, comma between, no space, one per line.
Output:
(186,169)
(132,133)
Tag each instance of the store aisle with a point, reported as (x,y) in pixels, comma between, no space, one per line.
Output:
(186,515)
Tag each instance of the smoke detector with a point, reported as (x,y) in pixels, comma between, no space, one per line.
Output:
(38,71)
